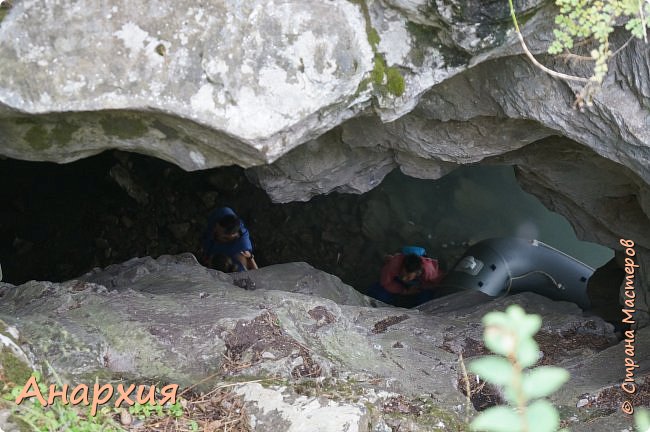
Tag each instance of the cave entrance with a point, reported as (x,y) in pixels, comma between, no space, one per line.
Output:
(470,204)
(60,221)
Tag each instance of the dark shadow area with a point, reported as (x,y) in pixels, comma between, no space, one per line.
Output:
(60,221)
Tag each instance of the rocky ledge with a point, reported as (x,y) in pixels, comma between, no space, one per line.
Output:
(300,346)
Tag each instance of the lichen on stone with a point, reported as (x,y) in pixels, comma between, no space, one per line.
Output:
(63,131)
(37,137)
(43,134)
(379,70)
(388,80)
(5,6)
(395,81)
(124,127)
(12,369)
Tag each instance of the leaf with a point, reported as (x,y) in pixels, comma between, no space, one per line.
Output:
(510,395)
(495,318)
(543,381)
(515,312)
(642,420)
(499,340)
(542,416)
(497,419)
(529,325)
(493,369)
(527,352)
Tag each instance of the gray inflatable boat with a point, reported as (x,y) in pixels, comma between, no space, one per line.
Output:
(502,266)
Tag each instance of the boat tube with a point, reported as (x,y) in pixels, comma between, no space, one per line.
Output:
(502,266)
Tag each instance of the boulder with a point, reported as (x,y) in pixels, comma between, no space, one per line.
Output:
(292,353)
(318,98)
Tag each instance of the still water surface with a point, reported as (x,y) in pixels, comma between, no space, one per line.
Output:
(470,204)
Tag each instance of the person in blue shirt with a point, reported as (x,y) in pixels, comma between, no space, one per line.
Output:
(226,235)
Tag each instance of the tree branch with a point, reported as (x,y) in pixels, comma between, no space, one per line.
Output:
(533,59)
(622,47)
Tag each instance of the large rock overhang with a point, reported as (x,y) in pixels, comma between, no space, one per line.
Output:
(302,95)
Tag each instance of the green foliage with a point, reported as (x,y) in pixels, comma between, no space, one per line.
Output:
(12,367)
(144,411)
(176,410)
(395,81)
(642,420)
(589,19)
(510,335)
(387,79)
(373,38)
(379,70)
(147,410)
(57,416)
(67,417)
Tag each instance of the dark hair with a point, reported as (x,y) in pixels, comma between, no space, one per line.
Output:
(412,263)
(230,224)
(224,263)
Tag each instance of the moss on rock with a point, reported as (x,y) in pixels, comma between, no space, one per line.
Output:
(14,369)
(38,138)
(4,9)
(379,70)
(123,127)
(395,81)
(42,135)
(62,132)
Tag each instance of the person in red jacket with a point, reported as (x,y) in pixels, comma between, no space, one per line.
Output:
(407,280)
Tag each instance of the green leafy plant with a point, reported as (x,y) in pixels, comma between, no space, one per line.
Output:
(642,420)
(176,410)
(147,410)
(142,411)
(57,416)
(583,19)
(592,21)
(67,417)
(509,335)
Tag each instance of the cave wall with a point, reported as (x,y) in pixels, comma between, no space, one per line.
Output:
(320,97)
(226,83)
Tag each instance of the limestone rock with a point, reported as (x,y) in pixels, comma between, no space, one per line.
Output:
(16,362)
(227,83)
(16,365)
(336,94)
(175,319)
(605,203)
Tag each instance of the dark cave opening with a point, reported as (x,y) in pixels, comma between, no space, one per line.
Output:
(59,221)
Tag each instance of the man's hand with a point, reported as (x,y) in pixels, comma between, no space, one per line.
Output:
(248,260)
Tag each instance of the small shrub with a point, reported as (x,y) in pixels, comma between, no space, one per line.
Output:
(510,336)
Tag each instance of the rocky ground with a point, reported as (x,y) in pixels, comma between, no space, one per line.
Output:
(303,346)
(60,221)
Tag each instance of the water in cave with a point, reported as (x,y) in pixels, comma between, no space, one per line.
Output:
(478,202)
(60,221)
